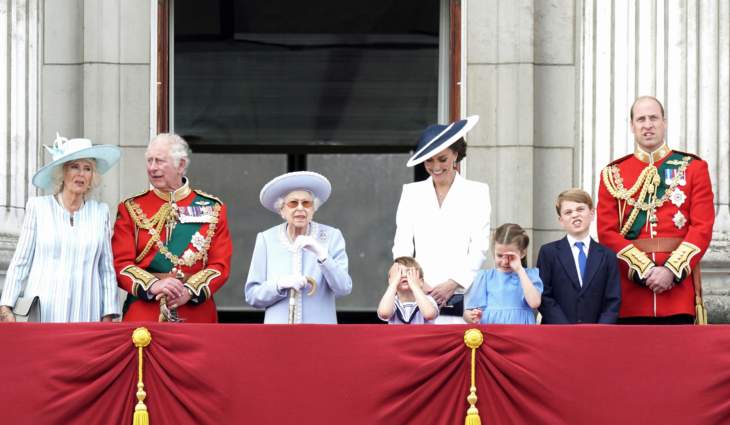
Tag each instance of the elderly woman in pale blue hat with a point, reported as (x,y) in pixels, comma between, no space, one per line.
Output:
(300,266)
(444,220)
(64,255)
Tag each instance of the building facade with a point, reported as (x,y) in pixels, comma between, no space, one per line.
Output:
(551,80)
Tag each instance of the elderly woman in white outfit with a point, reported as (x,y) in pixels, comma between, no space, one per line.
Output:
(444,220)
(299,267)
(64,254)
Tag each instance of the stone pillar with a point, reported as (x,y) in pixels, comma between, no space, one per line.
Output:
(521,79)
(676,50)
(500,89)
(96,77)
(19,61)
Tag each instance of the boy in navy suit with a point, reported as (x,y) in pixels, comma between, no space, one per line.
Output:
(580,276)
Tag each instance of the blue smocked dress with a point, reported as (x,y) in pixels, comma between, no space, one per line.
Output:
(499,295)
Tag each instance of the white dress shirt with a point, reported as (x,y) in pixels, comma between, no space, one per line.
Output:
(574,249)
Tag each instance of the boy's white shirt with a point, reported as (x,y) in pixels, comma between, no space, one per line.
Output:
(574,249)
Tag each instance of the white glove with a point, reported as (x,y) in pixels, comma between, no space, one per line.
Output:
(292,281)
(311,244)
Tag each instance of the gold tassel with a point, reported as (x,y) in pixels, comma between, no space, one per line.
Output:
(141,338)
(473,339)
(700,312)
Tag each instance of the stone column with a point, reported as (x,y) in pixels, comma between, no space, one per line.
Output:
(19,61)
(500,89)
(676,50)
(522,81)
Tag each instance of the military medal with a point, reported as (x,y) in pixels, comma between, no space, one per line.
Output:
(195,214)
(198,241)
(679,219)
(678,197)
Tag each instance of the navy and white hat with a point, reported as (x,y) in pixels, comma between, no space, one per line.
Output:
(284,184)
(438,137)
(65,150)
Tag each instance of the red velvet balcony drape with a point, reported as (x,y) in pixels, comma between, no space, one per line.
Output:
(365,374)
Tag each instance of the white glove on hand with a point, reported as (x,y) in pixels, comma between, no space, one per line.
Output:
(311,244)
(292,281)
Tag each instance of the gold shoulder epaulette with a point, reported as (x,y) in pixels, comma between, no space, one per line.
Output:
(135,196)
(208,195)
(694,156)
(619,160)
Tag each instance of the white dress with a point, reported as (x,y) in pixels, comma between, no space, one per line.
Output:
(449,241)
(68,267)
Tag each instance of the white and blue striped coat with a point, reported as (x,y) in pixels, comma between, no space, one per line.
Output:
(68,267)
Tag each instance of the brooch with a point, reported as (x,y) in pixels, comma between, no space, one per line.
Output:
(322,235)
(678,197)
(679,219)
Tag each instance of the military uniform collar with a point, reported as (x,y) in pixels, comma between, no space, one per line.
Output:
(653,157)
(181,193)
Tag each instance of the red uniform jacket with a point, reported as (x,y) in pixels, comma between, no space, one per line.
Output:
(199,246)
(682,207)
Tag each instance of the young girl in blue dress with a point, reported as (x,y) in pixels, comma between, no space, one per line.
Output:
(510,292)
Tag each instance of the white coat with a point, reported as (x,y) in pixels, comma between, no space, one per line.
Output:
(450,241)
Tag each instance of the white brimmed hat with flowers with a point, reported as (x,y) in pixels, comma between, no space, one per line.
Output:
(65,150)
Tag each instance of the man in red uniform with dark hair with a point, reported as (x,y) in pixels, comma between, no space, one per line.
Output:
(656,211)
(172,248)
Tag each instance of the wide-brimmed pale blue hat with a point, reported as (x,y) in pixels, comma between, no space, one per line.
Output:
(65,150)
(282,185)
(438,137)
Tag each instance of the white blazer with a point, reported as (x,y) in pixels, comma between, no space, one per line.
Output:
(451,241)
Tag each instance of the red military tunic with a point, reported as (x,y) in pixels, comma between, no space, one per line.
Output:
(676,203)
(199,246)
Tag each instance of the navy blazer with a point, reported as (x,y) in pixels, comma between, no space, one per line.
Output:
(564,300)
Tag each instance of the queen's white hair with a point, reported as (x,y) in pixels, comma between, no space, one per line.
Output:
(279,203)
(179,148)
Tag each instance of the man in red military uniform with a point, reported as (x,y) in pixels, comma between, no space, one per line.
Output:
(656,211)
(172,248)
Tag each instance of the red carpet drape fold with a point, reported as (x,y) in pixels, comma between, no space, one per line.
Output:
(365,374)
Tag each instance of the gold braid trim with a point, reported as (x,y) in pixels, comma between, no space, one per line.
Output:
(154,226)
(140,277)
(679,261)
(636,259)
(648,181)
(200,281)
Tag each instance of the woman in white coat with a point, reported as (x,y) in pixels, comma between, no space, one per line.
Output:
(444,220)
(64,254)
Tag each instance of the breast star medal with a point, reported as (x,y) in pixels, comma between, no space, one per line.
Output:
(679,219)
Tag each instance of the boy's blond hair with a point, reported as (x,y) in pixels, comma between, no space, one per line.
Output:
(410,262)
(579,196)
